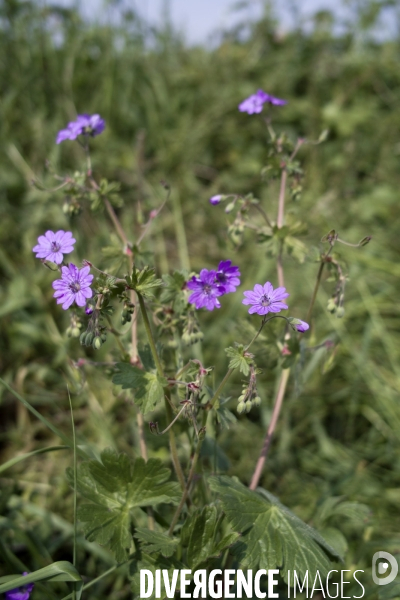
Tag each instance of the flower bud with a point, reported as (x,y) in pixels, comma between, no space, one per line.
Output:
(340,312)
(241,407)
(257,401)
(249,404)
(97,343)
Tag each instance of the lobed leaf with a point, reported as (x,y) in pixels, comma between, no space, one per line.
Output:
(115,486)
(272,536)
(148,386)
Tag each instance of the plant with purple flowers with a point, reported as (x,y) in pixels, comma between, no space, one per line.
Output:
(163,375)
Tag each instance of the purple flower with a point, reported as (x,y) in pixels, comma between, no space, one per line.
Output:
(255,102)
(52,245)
(301,326)
(74,285)
(21,593)
(216,199)
(205,290)
(228,276)
(265,299)
(84,125)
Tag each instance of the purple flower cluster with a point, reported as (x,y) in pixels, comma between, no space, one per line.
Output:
(21,593)
(211,284)
(52,245)
(84,125)
(74,285)
(255,102)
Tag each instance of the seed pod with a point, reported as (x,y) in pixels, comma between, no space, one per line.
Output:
(89,338)
(241,407)
(97,343)
(257,401)
(82,338)
(340,312)
(75,332)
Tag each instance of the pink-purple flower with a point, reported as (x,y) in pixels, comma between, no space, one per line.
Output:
(255,102)
(74,286)
(84,125)
(265,299)
(52,245)
(299,325)
(205,290)
(228,276)
(20,593)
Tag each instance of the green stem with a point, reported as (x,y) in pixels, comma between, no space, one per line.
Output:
(150,337)
(99,578)
(157,361)
(75,491)
(172,445)
(187,487)
(219,390)
(315,292)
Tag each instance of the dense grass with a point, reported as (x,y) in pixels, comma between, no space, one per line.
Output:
(171,115)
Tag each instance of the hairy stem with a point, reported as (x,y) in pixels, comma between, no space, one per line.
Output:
(281,203)
(268,438)
(157,361)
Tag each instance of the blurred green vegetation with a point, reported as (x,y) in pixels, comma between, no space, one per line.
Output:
(171,114)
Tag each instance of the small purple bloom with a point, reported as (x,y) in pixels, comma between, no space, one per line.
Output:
(301,326)
(228,276)
(216,199)
(21,593)
(205,290)
(84,125)
(52,245)
(265,299)
(255,102)
(74,285)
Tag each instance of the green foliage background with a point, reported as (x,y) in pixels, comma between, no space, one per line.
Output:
(171,114)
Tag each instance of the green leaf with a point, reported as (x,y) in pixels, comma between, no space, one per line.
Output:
(143,281)
(58,571)
(146,358)
(149,387)
(199,532)
(156,541)
(173,285)
(224,416)
(336,539)
(272,536)
(239,358)
(115,486)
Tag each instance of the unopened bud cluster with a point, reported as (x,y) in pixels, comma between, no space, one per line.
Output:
(75,327)
(93,338)
(127,312)
(248,398)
